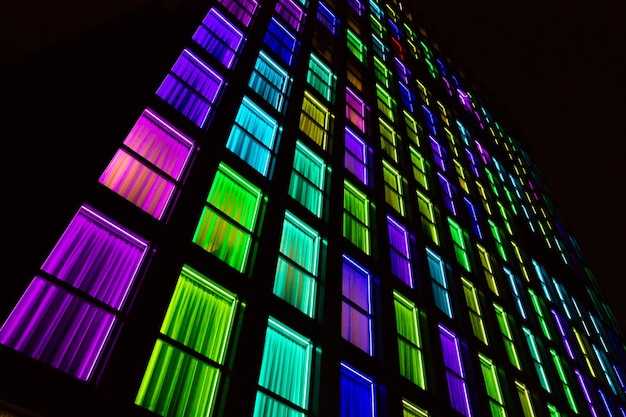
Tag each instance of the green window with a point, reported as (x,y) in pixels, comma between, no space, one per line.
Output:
(356,217)
(413,129)
(321,78)
(377,27)
(409,341)
(460,249)
(494,392)
(382,73)
(285,373)
(411,410)
(315,120)
(539,311)
(229,218)
(356,46)
(476,317)
(386,104)
(487,266)
(297,266)
(307,179)
(182,379)
(393,187)
(498,238)
(427,217)
(419,165)
(388,140)
(560,369)
(507,336)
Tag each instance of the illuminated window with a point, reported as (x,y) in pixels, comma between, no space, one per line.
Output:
(100,261)
(379,48)
(315,120)
(357,6)
(150,164)
(439,281)
(356,393)
(199,320)
(403,72)
(307,179)
(327,18)
(376,11)
(243,10)
(218,36)
(487,265)
(427,217)
(448,193)
(423,91)
(410,354)
(515,291)
(476,317)
(459,239)
(321,78)
(407,97)
(431,120)
(498,239)
(356,46)
(537,360)
(562,326)
(285,373)
(356,156)
(455,374)
(413,129)
(539,311)
(377,27)
(291,13)
(472,212)
(460,172)
(411,410)
(399,252)
(355,109)
(386,104)
(229,219)
(356,217)
(507,336)
(388,140)
(560,369)
(494,392)
(439,153)
(282,42)
(382,73)
(524,397)
(297,267)
(270,81)
(356,316)
(192,88)
(393,187)
(585,390)
(419,166)
(254,136)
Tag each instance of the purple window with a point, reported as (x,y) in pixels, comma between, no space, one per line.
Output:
(218,36)
(243,10)
(58,328)
(356,320)
(355,109)
(149,185)
(63,328)
(356,156)
(291,13)
(192,88)
(448,193)
(399,252)
(457,388)
(97,257)
(439,153)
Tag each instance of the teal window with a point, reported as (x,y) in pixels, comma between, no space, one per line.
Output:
(321,78)
(515,291)
(307,179)
(199,319)
(379,48)
(356,217)
(297,267)
(410,352)
(537,360)
(270,81)
(285,374)
(229,218)
(254,136)
(439,281)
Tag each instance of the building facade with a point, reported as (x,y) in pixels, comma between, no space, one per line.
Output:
(314,215)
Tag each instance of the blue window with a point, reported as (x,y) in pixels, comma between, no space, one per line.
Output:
(219,37)
(356,393)
(408,98)
(282,42)
(191,87)
(327,18)
(253,136)
(270,81)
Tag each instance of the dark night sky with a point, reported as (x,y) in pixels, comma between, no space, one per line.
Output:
(554,67)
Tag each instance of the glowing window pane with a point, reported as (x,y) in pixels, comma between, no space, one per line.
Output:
(282,42)
(327,18)
(270,81)
(355,109)
(291,13)
(356,156)
(393,187)
(321,78)
(218,36)
(356,393)
(439,281)
(409,341)
(243,10)
(455,375)
(356,320)
(356,217)
(315,120)
(307,179)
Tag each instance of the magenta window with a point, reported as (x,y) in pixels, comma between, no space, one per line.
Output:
(356,315)
(218,36)
(149,165)
(399,251)
(191,87)
(355,109)
(356,156)
(291,13)
(58,328)
(455,375)
(97,257)
(243,10)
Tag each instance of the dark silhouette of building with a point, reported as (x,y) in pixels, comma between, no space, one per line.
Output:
(308,213)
